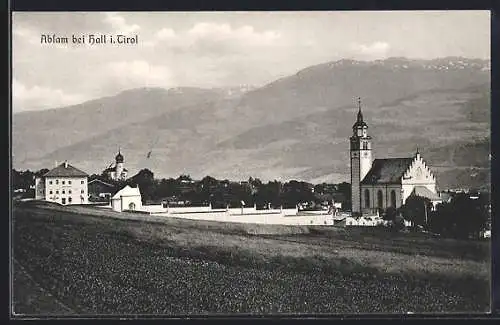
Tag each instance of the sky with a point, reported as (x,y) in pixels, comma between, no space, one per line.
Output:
(218,49)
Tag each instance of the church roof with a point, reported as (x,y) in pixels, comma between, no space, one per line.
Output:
(387,171)
(119,157)
(425,192)
(65,170)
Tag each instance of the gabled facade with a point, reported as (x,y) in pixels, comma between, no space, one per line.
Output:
(64,184)
(128,198)
(391,181)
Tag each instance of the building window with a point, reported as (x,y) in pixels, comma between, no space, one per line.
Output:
(83,191)
(50,182)
(62,182)
(50,192)
(63,192)
(83,182)
(367,198)
(365,145)
(57,181)
(69,200)
(69,182)
(380,199)
(57,192)
(131,206)
(393,198)
(69,191)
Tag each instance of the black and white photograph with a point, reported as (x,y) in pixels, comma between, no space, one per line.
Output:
(250,163)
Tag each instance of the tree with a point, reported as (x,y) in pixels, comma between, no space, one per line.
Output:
(146,182)
(416,209)
(390,214)
(269,194)
(167,188)
(344,188)
(22,179)
(207,183)
(441,220)
(295,192)
(41,172)
(462,217)
(185,178)
(469,216)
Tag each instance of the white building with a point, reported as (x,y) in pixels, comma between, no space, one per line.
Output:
(128,198)
(382,183)
(64,184)
(117,171)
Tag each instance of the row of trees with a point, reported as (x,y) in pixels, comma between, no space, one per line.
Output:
(24,181)
(221,193)
(462,217)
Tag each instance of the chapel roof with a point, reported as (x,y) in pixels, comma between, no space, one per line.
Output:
(127,191)
(387,171)
(65,170)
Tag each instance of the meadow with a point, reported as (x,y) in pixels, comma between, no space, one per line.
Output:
(80,261)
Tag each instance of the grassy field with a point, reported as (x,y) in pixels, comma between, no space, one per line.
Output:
(71,261)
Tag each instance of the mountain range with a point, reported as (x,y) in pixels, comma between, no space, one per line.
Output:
(296,127)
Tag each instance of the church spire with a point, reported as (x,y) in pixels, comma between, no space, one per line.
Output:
(360,124)
(119,156)
(360,114)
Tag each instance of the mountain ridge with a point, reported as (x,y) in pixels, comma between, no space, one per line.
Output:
(309,114)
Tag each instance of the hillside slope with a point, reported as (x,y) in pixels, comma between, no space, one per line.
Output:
(295,127)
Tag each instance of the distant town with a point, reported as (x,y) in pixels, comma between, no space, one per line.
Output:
(391,192)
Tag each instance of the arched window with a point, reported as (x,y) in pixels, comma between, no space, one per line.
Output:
(367,198)
(380,199)
(393,198)
(131,206)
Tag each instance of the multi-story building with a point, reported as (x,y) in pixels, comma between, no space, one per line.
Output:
(64,184)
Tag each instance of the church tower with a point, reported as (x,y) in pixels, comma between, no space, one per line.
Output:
(119,165)
(361,158)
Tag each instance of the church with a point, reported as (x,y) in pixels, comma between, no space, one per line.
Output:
(117,171)
(383,183)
